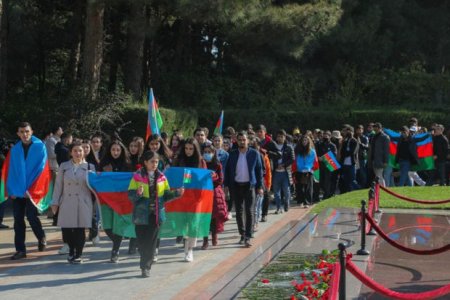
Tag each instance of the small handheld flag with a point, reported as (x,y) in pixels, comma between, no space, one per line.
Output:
(187,177)
(330,161)
(154,122)
(219,124)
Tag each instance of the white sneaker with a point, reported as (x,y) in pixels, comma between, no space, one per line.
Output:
(155,256)
(230,216)
(189,256)
(64,249)
(96,241)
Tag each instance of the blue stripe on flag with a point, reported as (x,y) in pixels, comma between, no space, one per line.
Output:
(110,181)
(175,176)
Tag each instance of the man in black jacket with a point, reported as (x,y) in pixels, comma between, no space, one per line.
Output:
(349,156)
(323,148)
(440,152)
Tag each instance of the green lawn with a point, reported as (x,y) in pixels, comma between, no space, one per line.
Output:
(353,199)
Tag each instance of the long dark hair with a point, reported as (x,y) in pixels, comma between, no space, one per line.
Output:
(90,158)
(303,150)
(163,149)
(194,161)
(123,160)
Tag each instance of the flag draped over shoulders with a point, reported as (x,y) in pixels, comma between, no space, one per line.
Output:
(189,215)
(111,191)
(28,177)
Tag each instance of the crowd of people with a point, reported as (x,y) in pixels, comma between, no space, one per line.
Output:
(249,168)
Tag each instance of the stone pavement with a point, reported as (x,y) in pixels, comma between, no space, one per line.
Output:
(218,272)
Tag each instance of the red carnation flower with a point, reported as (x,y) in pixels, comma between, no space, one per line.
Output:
(265,281)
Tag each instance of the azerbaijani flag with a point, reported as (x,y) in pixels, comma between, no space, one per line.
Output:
(330,161)
(155,121)
(394,136)
(219,125)
(316,169)
(28,177)
(189,215)
(187,177)
(111,191)
(424,146)
(424,143)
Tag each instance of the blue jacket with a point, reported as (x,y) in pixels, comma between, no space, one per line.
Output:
(254,168)
(305,164)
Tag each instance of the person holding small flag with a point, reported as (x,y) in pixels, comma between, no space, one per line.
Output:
(148,190)
(326,146)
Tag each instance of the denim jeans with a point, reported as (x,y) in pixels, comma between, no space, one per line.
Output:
(387,174)
(405,166)
(280,182)
(258,207)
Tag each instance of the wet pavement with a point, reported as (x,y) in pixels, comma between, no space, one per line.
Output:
(404,272)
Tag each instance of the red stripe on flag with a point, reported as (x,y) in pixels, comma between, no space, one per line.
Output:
(39,188)
(425,150)
(331,161)
(118,201)
(192,201)
(4,177)
(392,148)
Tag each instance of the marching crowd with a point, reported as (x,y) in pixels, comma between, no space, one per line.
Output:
(247,168)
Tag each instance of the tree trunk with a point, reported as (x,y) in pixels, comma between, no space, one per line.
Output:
(93,48)
(135,49)
(75,43)
(3,50)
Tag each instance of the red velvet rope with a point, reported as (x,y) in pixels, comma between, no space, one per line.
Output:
(334,282)
(413,200)
(401,247)
(369,282)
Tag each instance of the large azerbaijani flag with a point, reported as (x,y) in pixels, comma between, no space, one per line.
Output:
(28,177)
(111,191)
(154,122)
(219,124)
(330,161)
(189,215)
(424,146)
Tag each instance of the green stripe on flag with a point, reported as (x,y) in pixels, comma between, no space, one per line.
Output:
(45,203)
(426,163)
(2,191)
(186,224)
(120,224)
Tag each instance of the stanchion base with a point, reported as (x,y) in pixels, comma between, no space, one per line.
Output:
(362,252)
(372,232)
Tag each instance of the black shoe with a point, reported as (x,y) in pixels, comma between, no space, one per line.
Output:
(286,209)
(247,243)
(18,255)
(263,219)
(42,244)
(114,256)
(179,240)
(242,240)
(70,259)
(3,226)
(145,273)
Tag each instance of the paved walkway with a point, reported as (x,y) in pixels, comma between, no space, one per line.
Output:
(218,272)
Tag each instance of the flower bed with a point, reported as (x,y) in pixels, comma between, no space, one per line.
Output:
(293,276)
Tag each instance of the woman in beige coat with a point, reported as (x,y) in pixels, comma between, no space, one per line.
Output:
(72,200)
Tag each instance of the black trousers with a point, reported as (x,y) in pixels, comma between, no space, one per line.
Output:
(265,204)
(75,238)
(304,188)
(243,197)
(147,237)
(116,239)
(22,207)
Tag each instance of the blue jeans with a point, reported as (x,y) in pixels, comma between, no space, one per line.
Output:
(280,181)
(387,174)
(405,167)
(258,207)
